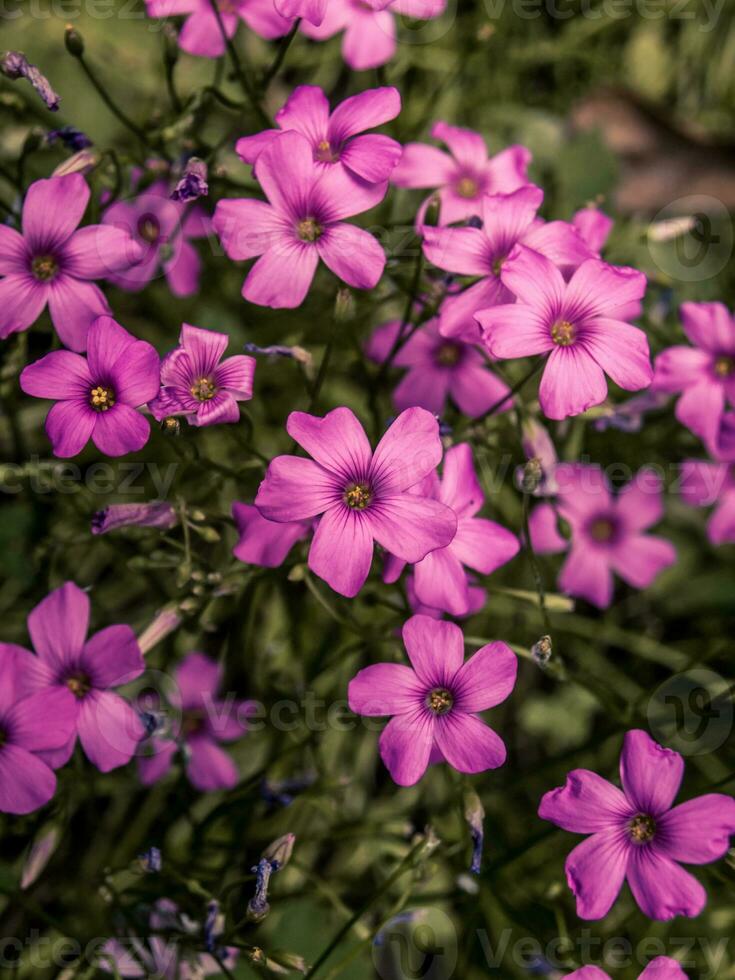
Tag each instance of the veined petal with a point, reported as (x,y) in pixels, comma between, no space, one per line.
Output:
(595,872)
(247,227)
(368,109)
(58,625)
(435,649)
(586,804)
(661,888)
(59,375)
(409,526)
(295,489)
(487,678)
(98,250)
(422,165)
(337,441)
(281,277)
(698,831)
(69,426)
(352,254)
(409,450)
(384,689)
(307,112)
(467,743)
(52,209)
(405,745)
(120,431)
(651,774)
(22,301)
(341,551)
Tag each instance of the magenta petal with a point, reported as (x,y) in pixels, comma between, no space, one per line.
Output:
(409,450)
(435,649)
(69,426)
(484,545)
(370,38)
(410,527)
(154,766)
(337,441)
(97,251)
(571,383)
(586,804)
(701,407)
(597,289)
(588,973)
(236,374)
(586,574)
(440,581)
(201,34)
(463,251)
(135,375)
(287,174)
(107,341)
(13,252)
(182,269)
(366,110)
(487,678)
(595,872)
(60,374)
(384,689)
(52,210)
(661,888)
(641,558)
(21,673)
(663,968)
(198,679)
(26,783)
(209,767)
(475,389)
(45,720)
(422,166)
(249,148)
(307,112)
(698,831)
(372,156)
(247,227)
(709,326)
(22,300)
(264,542)
(294,489)
(109,730)
(640,502)
(113,657)
(543,526)
(621,351)
(651,774)
(121,430)
(405,745)
(515,330)
(341,551)
(74,305)
(282,275)
(58,625)
(352,254)
(422,387)
(468,744)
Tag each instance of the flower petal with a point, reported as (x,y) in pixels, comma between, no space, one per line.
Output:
(337,441)
(514,330)
(22,301)
(109,730)
(74,305)
(595,872)
(45,720)
(405,746)
(121,430)
(295,489)
(586,804)
(384,689)
(571,383)
(198,679)
(69,426)
(60,374)
(435,649)
(709,326)
(372,156)
(342,550)
(58,625)
(368,109)
(409,450)
(209,767)
(98,250)
(698,831)
(468,744)
(484,545)
(487,678)
(26,783)
(112,657)
(422,166)
(352,254)
(621,351)
(586,574)
(247,227)
(661,888)
(651,774)
(410,527)
(52,209)
(307,112)
(282,275)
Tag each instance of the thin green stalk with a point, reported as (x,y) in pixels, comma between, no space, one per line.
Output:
(238,68)
(111,104)
(280,55)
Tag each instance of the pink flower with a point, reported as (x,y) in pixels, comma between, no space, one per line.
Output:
(336,138)
(439,369)
(195,384)
(464,175)
(705,373)
(201,34)
(704,483)
(312,11)
(662,968)
(637,833)
(262,542)
(579,324)
(97,396)
(361,495)
(594,226)
(205,721)
(440,580)
(301,224)
(507,220)
(31,724)
(52,262)
(607,531)
(164,230)
(369,27)
(81,672)
(435,701)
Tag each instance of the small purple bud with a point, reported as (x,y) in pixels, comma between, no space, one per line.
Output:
(474,814)
(193,183)
(151,860)
(474,222)
(72,138)
(15,65)
(156,513)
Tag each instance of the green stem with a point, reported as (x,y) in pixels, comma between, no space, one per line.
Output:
(111,104)
(280,55)
(238,68)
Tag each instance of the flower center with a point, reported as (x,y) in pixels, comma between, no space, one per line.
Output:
(44,268)
(448,354)
(149,228)
(358,496)
(309,230)
(467,187)
(192,723)
(724,366)
(563,333)
(203,389)
(102,398)
(79,685)
(324,152)
(642,828)
(3,738)
(440,701)
(602,529)
(498,265)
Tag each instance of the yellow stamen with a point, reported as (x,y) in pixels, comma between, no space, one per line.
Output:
(203,389)
(101,398)
(642,828)
(309,230)
(44,268)
(467,187)
(563,333)
(440,701)
(358,496)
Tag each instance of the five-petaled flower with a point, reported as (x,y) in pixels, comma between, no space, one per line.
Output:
(580,325)
(198,384)
(300,224)
(54,261)
(202,32)
(435,701)
(97,396)
(361,495)
(637,834)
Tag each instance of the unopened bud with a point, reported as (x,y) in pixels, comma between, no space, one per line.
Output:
(344,306)
(280,851)
(74,41)
(541,650)
(474,814)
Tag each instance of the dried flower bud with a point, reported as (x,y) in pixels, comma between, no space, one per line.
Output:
(74,41)
(474,814)
(193,182)
(15,65)
(542,650)
(279,852)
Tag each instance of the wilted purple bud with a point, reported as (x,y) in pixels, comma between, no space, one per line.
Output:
(474,814)
(279,350)
(537,475)
(72,138)
(214,926)
(541,650)
(14,65)
(258,906)
(193,183)
(151,860)
(279,852)
(39,855)
(628,416)
(156,513)
(165,622)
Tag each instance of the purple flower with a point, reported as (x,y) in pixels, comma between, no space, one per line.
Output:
(31,724)
(14,65)
(369,26)
(97,396)
(72,138)
(195,384)
(201,34)
(637,834)
(705,373)
(662,968)
(262,542)
(157,513)
(435,701)
(507,220)
(339,137)
(580,325)
(52,262)
(464,175)
(193,183)
(205,721)
(608,532)
(164,230)
(301,224)
(80,672)
(703,484)
(594,226)
(361,495)
(440,580)
(439,368)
